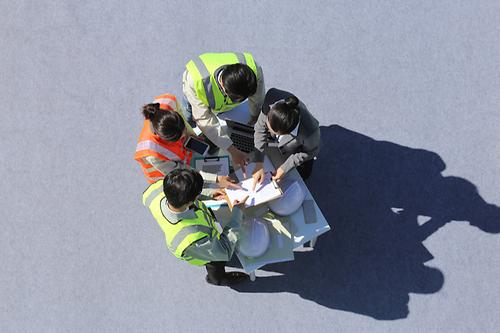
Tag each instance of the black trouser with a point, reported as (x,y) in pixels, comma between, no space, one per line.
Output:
(216,270)
(305,169)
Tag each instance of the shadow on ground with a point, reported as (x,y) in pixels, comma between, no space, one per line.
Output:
(372,193)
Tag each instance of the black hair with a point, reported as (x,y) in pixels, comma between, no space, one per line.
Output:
(182,186)
(239,81)
(168,124)
(284,115)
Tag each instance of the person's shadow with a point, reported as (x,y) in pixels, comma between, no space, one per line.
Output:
(375,196)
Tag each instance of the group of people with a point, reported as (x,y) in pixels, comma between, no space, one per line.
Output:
(213,83)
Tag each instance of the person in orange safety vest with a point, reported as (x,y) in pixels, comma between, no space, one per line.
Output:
(160,148)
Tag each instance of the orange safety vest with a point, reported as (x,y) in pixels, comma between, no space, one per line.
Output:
(150,144)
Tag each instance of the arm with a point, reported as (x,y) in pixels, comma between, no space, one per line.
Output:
(260,137)
(311,149)
(256,100)
(165,167)
(206,120)
(213,249)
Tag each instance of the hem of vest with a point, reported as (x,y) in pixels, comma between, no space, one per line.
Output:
(182,254)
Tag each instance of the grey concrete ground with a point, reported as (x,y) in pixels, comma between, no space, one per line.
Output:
(407,92)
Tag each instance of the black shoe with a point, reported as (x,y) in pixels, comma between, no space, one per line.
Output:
(229,279)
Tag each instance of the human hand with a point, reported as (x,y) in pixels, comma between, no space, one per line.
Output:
(234,233)
(239,158)
(219,194)
(278,175)
(258,174)
(227,182)
(237,202)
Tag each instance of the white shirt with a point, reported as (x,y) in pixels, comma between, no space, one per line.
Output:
(293,132)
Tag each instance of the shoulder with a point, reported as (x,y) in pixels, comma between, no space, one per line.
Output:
(259,67)
(308,123)
(153,190)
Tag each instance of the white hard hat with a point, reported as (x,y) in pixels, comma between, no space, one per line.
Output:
(254,238)
(290,201)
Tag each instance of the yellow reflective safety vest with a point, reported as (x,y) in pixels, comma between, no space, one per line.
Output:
(179,236)
(202,69)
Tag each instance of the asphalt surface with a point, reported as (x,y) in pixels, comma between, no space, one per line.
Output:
(408,96)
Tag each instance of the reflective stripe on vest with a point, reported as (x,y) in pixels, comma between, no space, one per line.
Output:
(179,236)
(151,145)
(167,102)
(185,232)
(202,71)
(152,192)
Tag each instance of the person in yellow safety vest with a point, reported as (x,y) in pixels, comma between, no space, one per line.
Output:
(160,148)
(217,82)
(189,226)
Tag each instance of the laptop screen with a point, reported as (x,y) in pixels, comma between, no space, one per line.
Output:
(239,126)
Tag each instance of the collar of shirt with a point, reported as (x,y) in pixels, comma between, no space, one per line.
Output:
(218,76)
(174,217)
(292,133)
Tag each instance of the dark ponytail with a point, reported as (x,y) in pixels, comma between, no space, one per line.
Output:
(292,102)
(167,124)
(284,115)
(149,110)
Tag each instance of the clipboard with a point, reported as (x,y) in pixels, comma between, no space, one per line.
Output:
(214,164)
(267,191)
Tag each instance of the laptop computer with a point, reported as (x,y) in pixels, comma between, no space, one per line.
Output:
(238,129)
(241,135)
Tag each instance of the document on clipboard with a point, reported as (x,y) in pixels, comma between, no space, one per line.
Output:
(216,164)
(266,191)
(268,167)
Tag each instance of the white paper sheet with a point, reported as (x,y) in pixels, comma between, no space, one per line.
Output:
(264,192)
(268,167)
